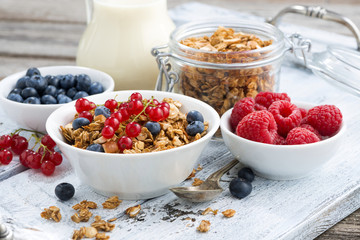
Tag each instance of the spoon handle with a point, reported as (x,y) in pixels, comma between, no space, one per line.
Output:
(218,174)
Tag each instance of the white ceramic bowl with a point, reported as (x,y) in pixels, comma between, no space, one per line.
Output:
(133,176)
(280,162)
(34,116)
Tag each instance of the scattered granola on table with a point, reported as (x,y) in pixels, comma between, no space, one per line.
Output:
(204,226)
(208,210)
(222,87)
(102,225)
(51,213)
(112,202)
(197,182)
(83,214)
(134,126)
(133,211)
(229,213)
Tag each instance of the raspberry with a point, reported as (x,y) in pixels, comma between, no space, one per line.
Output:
(279,140)
(286,114)
(311,129)
(300,135)
(267,98)
(303,112)
(325,118)
(258,126)
(241,108)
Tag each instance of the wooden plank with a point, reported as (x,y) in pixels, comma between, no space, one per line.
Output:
(299,209)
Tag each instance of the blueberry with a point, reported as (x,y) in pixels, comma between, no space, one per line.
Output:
(71,92)
(193,116)
(32,100)
(79,122)
(61,98)
(102,110)
(21,82)
(83,82)
(95,147)
(37,82)
(53,80)
(15,97)
(95,88)
(247,174)
(50,90)
(32,71)
(48,99)
(29,92)
(80,94)
(60,91)
(64,191)
(153,127)
(16,90)
(67,81)
(240,188)
(195,127)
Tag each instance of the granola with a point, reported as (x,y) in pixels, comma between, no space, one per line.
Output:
(221,88)
(133,211)
(210,210)
(204,226)
(101,236)
(112,202)
(197,182)
(87,232)
(102,225)
(229,213)
(172,132)
(83,215)
(51,213)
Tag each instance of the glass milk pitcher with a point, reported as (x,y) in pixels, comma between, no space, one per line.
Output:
(119,37)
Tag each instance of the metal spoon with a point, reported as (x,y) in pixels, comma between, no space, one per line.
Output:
(208,190)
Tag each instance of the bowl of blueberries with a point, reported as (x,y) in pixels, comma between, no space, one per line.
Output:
(30,96)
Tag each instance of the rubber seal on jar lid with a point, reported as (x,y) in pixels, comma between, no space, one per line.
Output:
(340,66)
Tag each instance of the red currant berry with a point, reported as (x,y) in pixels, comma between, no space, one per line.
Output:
(18,144)
(33,160)
(92,105)
(48,142)
(155,102)
(136,96)
(124,143)
(133,129)
(47,168)
(45,153)
(23,157)
(124,105)
(111,104)
(108,132)
(82,104)
(148,109)
(5,141)
(165,104)
(118,116)
(112,122)
(124,113)
(156,114)
(56,158)
(166,112)
(135,107)
(5,156)
(87,115)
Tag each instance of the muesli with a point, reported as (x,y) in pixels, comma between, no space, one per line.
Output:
(134,126)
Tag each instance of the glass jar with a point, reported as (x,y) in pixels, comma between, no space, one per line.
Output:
(222,78)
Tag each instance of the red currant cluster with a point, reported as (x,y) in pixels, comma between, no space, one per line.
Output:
(121,112)
(45,158)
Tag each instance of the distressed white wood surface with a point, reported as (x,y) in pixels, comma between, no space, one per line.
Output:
(299,209)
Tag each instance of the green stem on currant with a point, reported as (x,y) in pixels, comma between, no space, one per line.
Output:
(142,111)
(17,131)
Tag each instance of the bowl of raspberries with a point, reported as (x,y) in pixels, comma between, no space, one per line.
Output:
(30,96)
(280,139)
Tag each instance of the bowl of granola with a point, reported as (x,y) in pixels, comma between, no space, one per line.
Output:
(220,62)
(154,144)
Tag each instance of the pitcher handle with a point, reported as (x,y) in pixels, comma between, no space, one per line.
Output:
(322,13)
(89,5)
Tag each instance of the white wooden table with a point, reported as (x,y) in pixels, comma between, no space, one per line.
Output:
(299,209)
